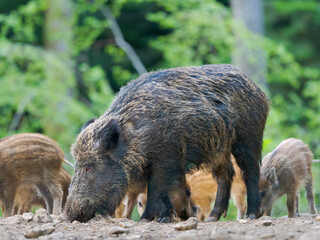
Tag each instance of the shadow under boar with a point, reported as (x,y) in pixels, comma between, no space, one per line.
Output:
(284,171)
(31,159)
(161,126)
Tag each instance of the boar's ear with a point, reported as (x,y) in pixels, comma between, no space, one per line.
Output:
(88,123)
(272,176)
(110,134)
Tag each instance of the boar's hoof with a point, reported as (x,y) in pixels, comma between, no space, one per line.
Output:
(252,216)
(164,220)
(212,219)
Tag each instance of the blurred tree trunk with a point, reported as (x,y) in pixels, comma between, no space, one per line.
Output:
(58,28)
(251,60)
(58,34)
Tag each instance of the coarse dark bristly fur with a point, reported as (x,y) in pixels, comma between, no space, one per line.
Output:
(31,159)
(162,125)
(285,171)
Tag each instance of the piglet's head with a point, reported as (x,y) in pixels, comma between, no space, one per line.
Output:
(268,182)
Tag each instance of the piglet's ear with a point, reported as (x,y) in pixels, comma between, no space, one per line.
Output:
(272,176)
(110,134)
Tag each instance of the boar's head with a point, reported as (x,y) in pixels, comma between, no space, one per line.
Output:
(99,180)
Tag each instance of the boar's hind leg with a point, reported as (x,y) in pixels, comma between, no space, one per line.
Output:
(45,193)
(224,180)
(310,197)
(247,153)
(163,179)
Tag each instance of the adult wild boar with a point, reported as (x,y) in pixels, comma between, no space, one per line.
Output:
(159,127)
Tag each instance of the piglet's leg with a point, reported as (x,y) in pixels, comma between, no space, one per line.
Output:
(205,209)
(8,202)
(131,203)
(240,203)
(57,194)
(297,203)
(310,197)
(291,196)
(46,194)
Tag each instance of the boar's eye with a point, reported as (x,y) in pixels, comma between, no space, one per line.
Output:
(89,167)
(263,194)
(188,193)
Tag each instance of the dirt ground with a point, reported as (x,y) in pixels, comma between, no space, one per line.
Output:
(51,227)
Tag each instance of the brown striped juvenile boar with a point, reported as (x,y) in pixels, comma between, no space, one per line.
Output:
(28,196)
(285,171)
(159,127)
(124,210)
(31,159)
(203,189)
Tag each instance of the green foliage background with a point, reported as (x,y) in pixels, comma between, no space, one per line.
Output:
(55,98)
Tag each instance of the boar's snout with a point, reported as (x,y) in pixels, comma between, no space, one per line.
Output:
(86,213)
(74,211)
(191,210)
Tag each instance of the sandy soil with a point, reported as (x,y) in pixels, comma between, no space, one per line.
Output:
(51,227)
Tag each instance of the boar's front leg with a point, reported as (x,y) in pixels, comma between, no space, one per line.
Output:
(163,178)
